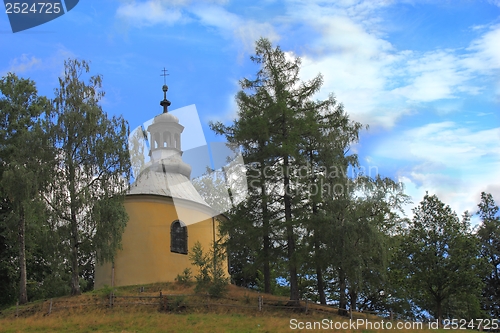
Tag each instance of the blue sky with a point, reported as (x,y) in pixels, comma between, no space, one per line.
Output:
(425,75)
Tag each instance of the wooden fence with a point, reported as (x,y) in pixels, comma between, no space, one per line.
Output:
(183,302)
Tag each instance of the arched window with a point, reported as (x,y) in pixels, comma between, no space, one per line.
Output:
(166,139)
(178,237)
(177,139)
(157,140)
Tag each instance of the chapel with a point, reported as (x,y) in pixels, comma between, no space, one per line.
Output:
(167,215)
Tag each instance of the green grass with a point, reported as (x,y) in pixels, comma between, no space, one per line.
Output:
(89,313)
(139,321)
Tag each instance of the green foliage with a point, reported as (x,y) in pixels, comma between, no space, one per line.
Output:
(211,277)
(174,303)
(64,169)
(277,117)
(185,278)
(63,174)
(489,237)
(202,261)
(304,213)
(92,173)
(104,291)
(8,274)
(26,161)
(441,261)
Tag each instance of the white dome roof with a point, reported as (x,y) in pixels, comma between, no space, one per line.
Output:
(166,118)
(168,184)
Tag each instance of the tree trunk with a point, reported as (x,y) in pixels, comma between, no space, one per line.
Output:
(319,268)
(292,264)
(75,275)
(440,313)
(320,284)
(343,296)
(353,298)
(23,293)
(267,266)
(265,231)
(319,274)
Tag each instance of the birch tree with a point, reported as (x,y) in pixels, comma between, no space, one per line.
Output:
(24,157)
(92,169)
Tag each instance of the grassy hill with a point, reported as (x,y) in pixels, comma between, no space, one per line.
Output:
(179,309)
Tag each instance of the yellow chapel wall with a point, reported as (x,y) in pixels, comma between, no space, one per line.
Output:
(145,256)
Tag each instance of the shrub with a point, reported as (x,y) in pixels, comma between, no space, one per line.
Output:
(185,278)
(211,277)
(173,303)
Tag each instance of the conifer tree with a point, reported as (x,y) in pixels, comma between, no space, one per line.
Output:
(325,155)
(270,128)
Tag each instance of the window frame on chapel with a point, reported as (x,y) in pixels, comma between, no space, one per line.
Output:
(178,237)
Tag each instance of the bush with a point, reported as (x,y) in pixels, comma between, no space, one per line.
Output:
(185,278)
(104,291)
(173,304)
(211,277)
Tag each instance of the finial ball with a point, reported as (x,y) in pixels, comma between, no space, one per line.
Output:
(165,88)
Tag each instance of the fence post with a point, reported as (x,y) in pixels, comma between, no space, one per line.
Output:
(50,306)
(350,311)
(307,302)
(111,299)
(17,309)
(161,302)
(260,303)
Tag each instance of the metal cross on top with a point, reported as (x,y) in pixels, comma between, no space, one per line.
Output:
(164,75)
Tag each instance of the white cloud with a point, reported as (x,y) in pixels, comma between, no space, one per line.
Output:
(207,12)
(435,75)
(484,55)
(51,66)
(24,63)
(148,13)
(454,162)
(231,25)
(446,143)
(445,74)
(459,200)
(355,61)
(376,82)
(495,2)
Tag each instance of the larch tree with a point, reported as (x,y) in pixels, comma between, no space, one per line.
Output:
(270,128)
(92,170)
(325,154)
